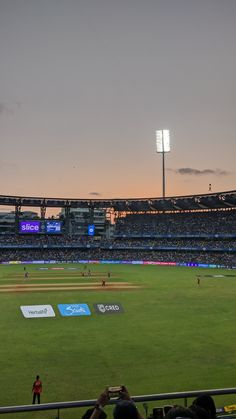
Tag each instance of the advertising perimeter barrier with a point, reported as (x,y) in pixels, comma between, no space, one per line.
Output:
(145,398)
(117,262)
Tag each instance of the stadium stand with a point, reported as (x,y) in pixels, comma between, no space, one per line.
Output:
(191,230)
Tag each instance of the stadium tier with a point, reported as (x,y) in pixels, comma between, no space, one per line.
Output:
(190,230)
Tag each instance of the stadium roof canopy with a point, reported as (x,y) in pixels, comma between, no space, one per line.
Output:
(212,201)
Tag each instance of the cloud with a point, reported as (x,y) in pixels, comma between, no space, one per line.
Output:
(4,109)
(95,193)
(196,172)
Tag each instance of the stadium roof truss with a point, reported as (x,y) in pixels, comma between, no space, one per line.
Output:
(213,201)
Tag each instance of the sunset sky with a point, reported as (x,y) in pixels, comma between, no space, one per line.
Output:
(84,84)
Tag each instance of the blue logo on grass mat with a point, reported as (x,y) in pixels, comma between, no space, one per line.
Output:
(74,310)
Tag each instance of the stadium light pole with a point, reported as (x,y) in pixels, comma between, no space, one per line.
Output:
(163,146)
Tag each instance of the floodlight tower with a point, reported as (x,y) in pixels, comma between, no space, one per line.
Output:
(163,146)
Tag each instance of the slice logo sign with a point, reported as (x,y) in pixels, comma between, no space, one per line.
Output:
(108,308)
(70,310)
(31,312)
(29,226)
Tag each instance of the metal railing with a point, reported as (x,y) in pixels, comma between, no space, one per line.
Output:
(144,398)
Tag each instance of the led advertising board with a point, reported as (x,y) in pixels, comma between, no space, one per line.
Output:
(29,227)
(91,229)
(53,227)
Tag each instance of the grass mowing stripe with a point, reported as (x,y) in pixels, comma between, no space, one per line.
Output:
(61,288)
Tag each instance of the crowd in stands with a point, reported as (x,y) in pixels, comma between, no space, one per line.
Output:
(67,255)
(43,239)
(215,222)
(214,243)
(118,243)
(203,407)
(178,243)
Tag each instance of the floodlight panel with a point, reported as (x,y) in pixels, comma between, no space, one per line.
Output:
(163,141)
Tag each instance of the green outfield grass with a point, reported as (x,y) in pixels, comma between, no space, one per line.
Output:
(173,336)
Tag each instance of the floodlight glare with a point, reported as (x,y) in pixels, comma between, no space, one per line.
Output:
(163,141)
(163,146)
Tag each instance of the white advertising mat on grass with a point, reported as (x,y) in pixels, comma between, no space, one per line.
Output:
(37,311)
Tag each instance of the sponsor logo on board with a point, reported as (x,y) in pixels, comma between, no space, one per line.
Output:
(29,226)
(70,310)
(31,312)
(108,308)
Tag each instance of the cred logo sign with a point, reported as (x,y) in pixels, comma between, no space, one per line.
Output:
(29,226)
(108,308)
